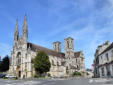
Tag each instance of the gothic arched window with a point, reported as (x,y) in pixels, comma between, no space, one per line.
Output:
(57,63)
(52,62)
(76,60)
(17,37)
(18,58)
(77,66)
(68,44)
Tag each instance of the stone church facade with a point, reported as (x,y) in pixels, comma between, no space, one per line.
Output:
(62,64)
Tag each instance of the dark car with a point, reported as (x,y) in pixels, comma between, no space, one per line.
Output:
(2,75)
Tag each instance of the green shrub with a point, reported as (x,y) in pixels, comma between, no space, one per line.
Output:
(83,72)
(16,78)
(49,75)
(87,73)
(36,76)
(76,73)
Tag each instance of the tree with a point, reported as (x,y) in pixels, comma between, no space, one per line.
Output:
(42,63)
(4,65)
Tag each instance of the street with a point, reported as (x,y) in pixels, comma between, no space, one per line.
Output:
(80,81)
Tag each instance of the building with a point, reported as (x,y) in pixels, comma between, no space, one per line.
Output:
(104,60)
(62,64)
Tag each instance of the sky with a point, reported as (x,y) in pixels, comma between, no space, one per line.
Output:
(89,22)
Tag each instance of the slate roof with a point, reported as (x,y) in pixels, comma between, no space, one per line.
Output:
(108,48)
(63,63)
(77,54)
(37,48)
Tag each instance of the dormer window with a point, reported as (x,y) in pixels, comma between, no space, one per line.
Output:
(107,57)
(112,53)
(101,57)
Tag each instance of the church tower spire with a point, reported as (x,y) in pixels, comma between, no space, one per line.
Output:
(16,35)
(25,29)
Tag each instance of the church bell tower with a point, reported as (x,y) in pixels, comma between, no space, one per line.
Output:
(57,46)
(69,48)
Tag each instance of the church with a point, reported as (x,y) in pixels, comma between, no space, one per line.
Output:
(62,64)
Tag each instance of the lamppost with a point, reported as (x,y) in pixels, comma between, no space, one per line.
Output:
(0,58)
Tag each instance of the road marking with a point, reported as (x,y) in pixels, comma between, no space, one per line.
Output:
(107,84)
(91,81)
(101,80)
(30,82)
(25,83)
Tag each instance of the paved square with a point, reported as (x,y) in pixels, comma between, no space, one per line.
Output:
(81,81)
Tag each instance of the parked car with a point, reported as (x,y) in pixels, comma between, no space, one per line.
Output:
(2,75)
(10,76)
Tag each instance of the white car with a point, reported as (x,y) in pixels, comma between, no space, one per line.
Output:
(10,76)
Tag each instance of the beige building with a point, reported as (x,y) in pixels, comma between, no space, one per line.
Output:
(104,60)
(62,64)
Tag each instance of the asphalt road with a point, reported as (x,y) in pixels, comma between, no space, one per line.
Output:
(78,81)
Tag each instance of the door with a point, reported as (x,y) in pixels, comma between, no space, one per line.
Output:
(19,74)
